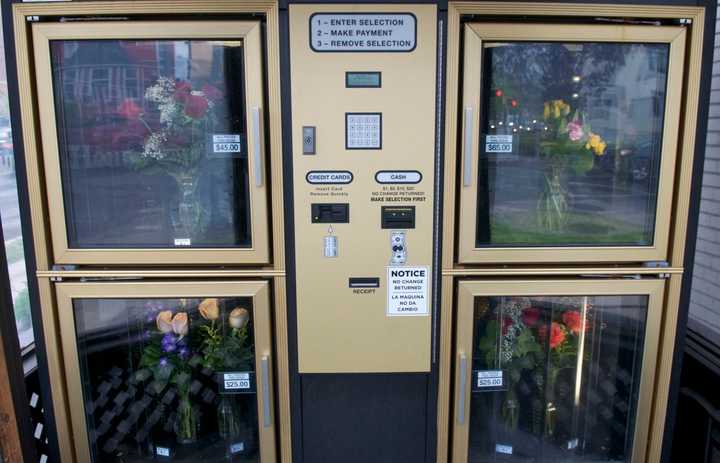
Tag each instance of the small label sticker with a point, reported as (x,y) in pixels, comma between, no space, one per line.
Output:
(237,447)
(488,380)
(407,291)
(235,381)
(226,144)
(504,449)
(492,378)
(183,242)
(162,451)
(498,143)
(573,443)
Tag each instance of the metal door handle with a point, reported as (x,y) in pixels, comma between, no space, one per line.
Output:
(265,378)
(257,143)
(467,160)
(461,389)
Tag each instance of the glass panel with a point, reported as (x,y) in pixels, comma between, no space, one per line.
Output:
(152,140)
(154,376)
(10,213)
(571,373)
(571,143)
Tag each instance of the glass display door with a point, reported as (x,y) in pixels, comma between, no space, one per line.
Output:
(176,371)
(152,141)
(555,371)
(568,145)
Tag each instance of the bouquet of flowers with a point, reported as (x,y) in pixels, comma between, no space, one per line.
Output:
(176,142)
(523,341)
(568,146)
(226,347)
(166,355)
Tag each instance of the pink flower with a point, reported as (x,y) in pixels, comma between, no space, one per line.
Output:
(575,131)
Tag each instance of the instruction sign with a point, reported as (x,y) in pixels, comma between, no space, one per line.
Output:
(363,32)
(407,291)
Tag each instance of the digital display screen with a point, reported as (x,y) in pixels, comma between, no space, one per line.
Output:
(362,80)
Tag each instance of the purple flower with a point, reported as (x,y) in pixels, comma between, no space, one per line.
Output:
(169,342)
(184,352)
(163,361)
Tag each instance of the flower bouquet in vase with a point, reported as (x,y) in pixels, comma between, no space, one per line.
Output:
(227,346)
(509,343)
(563,337)
(568,146)
(166,355)
(176,143)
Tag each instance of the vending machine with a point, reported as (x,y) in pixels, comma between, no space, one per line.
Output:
(348,232)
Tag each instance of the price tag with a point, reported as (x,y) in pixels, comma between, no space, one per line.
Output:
(488,380)
(223,145)
(236,382)
(162,451)
(501,147)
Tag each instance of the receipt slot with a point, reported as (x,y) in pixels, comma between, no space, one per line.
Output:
(364,80)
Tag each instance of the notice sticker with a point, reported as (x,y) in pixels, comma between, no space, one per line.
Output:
(226,144)
(407,291)
(504,449)
(363,32)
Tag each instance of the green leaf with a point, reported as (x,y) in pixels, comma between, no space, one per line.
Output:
(583,162)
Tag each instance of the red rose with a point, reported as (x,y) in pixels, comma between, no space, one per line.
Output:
(129,110)
(182,92)
(507,323)
(557,335)
(573,321)
(212,92)
(195,106)
(530,316)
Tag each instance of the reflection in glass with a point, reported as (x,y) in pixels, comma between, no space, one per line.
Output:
(571,368)
(571,143)
(153,375)
(140,166)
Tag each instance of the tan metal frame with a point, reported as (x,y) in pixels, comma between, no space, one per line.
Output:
(249,33)
(693,16)
(23,14)
(476,34)
(469,290)
(257,290)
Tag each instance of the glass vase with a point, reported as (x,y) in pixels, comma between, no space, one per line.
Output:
(186,217)
(229,418)
(187,422)
(554,203)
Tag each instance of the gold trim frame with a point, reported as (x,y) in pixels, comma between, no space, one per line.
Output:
(476,34)
(469,290)
(257,290)
(249,33)
(23,15)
